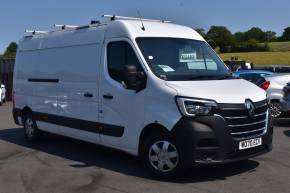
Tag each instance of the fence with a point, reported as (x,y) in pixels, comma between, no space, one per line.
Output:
(6,75)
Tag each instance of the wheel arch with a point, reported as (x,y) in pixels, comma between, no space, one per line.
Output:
(25,111)
(148,131)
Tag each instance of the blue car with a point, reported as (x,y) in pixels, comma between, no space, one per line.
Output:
(254,76)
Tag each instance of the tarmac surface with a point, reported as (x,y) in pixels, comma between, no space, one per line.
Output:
(61,165)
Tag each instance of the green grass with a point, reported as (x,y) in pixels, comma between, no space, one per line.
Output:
(279,46)
(261,58)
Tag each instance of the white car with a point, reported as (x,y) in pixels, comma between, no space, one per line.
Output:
(274,87)
(152,89)
(2,94)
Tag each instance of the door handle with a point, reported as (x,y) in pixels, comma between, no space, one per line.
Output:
(108,96)
(88,95)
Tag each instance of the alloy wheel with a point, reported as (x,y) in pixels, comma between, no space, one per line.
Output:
(275,109)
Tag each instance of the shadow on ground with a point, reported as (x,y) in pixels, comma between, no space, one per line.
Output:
(287,133)
(284,122)
(94,155)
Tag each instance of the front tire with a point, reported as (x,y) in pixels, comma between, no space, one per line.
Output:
(161,156)
(276,109)
(31,131)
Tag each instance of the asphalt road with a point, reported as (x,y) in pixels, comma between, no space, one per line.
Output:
(57,165)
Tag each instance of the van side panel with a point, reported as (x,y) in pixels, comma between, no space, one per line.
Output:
(35,84)
(78,75)
(52,74)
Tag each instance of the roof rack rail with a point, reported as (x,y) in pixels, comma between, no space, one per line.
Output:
(64,26)
(34,32)
(116,17)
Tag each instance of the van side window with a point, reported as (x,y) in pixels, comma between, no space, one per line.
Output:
(119,55)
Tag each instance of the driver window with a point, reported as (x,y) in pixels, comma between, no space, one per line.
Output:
(119,55)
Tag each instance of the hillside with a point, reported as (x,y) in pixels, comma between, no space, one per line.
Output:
(279,46)
(263,58)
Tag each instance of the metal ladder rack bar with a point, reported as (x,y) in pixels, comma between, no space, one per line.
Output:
(65,26)
(115,17)
(34,32)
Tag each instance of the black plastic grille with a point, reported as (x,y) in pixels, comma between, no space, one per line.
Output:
(240,123)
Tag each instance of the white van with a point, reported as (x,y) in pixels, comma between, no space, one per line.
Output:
(150,88)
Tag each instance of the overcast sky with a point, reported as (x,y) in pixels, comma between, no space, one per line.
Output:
(18,15)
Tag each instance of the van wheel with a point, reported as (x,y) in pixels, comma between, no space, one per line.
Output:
(275,109)
(161,156)
(31,131)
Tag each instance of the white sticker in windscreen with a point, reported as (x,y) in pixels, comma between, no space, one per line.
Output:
(166,68)
(187,55)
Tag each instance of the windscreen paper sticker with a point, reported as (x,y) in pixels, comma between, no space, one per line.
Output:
(187,55)
(166,68)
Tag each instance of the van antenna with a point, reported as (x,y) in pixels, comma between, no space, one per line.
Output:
(143,27)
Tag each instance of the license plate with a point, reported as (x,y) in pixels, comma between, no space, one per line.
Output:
(250,143)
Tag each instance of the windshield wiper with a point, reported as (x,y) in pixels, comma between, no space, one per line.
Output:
(212,77)
(224,77)
(200,77)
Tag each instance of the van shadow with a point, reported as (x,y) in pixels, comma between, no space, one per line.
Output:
(283,122)
(93,155)
(287,133)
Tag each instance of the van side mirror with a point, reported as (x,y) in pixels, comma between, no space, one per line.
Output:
(2,86)
(133,79)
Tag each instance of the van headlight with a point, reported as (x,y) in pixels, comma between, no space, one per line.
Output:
(195,107)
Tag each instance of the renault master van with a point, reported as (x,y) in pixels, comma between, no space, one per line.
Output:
(149,88)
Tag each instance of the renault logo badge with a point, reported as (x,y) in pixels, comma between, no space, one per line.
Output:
(250,107)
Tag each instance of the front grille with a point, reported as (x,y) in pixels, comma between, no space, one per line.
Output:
(240,123)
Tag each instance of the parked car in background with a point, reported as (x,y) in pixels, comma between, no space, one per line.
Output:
(254,76)
(286,99)
(2,94)
(276,83)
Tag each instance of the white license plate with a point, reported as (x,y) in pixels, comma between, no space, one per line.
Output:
(250,143)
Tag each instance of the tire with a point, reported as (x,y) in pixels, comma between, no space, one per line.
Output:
(161,156)
(31,132)
(276,109)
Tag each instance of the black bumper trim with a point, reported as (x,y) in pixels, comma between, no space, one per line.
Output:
(188,132)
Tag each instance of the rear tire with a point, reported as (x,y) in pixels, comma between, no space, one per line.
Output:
(31,132)
(161,156)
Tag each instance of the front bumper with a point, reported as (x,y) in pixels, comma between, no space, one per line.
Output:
(207,140)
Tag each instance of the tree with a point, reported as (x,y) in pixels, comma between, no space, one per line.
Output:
(220,36)
(286,35)
(10,51)
(256,33)
(201,31)
(271,36)
(239,37)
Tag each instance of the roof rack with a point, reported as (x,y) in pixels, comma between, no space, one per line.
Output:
(116,17)
(64,26)
(34,32)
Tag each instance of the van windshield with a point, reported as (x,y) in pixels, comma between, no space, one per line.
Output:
(175,59)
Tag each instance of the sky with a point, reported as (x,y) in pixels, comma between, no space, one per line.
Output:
(18,15)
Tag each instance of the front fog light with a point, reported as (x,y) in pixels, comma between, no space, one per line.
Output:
(193,107)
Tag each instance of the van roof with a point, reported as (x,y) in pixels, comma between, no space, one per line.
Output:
(114,29)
